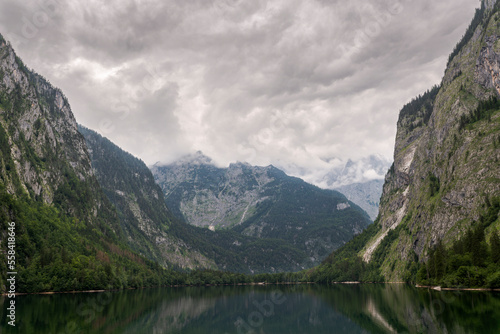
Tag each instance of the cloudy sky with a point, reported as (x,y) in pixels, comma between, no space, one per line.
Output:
(304,85)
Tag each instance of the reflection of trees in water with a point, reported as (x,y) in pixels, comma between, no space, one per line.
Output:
(177,308)
(376,308)
(382,308)
(176,314)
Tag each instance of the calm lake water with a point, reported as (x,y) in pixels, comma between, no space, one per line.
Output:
(370,308)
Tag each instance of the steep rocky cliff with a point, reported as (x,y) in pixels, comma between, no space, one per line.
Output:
(446,165)
(48,153)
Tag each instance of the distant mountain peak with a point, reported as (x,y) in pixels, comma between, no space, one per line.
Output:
(373,167)
(197,158)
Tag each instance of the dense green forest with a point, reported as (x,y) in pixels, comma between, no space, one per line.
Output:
(472,261)
(418,111)
(57,253)
(344,264)
(476,21)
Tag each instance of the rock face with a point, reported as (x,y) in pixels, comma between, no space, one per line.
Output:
(260,202)
(49,154)
(207,196)
(446,159)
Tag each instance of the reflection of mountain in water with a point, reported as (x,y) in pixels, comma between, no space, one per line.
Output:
(372,310)
(369,308)
(172,315)
(399,308)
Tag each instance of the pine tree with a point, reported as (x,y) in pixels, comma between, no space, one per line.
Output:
(479,251)
(439,260)
(495,248)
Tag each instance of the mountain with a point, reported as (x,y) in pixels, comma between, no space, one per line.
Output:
(361,181)
(144,218)
(152,231)
(365,194)
(67,233)
(438,220)
(360,171)
(260,202)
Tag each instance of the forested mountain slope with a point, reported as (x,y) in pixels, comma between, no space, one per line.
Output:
(144,218)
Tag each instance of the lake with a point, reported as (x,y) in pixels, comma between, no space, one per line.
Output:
(367,308)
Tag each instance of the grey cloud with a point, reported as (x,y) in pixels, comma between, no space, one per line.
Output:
(284,82)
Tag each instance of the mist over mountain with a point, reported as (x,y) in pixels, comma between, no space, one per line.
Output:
(366,195)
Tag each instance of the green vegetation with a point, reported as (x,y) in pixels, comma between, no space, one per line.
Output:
(434,185)
(470,261)
(484,110)
(419,110)
(55,252)
(476,21)
(300,212)
(344,264)
(235,252)
(130,187)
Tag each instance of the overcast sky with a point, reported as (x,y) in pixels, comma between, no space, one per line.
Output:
(304,85)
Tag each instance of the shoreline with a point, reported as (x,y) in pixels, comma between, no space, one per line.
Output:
(436,288)
(439,288)
(153,287)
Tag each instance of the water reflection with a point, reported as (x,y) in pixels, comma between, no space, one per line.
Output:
(398,308)
(254,309)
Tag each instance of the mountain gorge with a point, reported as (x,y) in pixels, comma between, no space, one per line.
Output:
(443,189)
(154,232)
(260,202)
(89,215)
